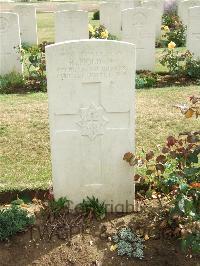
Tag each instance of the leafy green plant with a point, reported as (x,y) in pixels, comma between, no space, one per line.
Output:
(175,172)
(192,67)
(56,206)
(12,83)
(33,59)
(12,220)
(192,241)
(145,81)
(173,60)
(96,15)
(128,243)
(180,63)
(93,207)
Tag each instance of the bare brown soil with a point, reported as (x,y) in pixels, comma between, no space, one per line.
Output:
(90,240)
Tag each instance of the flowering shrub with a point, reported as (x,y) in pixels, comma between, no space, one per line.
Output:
(173,30)
(173,60)
(175,172)
(100,33)
(180,63)
(33,59)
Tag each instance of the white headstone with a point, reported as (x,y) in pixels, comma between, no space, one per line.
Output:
(183,9)
(110,17)
(158,7)
(137,3)
(138,27)
(91,112)
(9,41)
(193,31)
(27,23)
(71,25)
(127,4)
(67,6)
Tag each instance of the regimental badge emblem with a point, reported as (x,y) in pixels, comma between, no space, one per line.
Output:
(92,121)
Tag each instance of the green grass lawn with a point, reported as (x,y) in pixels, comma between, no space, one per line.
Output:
(24,132)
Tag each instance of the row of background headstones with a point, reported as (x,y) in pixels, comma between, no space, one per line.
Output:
(110,15)
(138,27)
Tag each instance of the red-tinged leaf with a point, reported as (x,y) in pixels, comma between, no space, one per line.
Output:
(149,155)
(171,141)
(182,150)
(138,178)
(173,154)
(128,156)
(195,185)
(165,150)
(161,159)
(189,113)
(160,167)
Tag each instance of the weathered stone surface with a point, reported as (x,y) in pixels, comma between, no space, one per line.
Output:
(27,23)
(110,17)
(193,31)
(158,8)
(71,25)
(91,112)
(67,6)
(9,41)
(138,27)
(183,9)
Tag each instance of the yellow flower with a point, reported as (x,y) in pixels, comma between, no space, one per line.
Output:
(171,45)
(166,28)
(113,247)
(91,29)
(104,34)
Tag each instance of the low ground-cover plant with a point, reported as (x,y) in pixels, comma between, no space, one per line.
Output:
(13,220)
(145,80)
(175,173)
(127,243)
(56,206)
(92,207)
(12,83)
